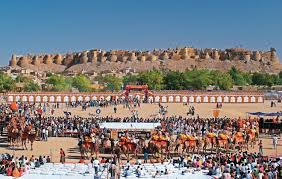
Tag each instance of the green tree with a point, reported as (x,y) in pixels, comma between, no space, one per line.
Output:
(31,86)
(198,79)
(221,79)
(237,77)
(6,83)
(154,79)
(81,82)
(130,79)
(280,78)
(59,83)
(174,80)
(21,79)
(112,83)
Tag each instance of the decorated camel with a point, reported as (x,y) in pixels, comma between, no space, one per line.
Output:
(189,143)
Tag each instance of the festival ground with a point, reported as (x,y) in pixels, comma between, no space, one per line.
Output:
(53,145)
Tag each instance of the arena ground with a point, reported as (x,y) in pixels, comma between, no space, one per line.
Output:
(53,145)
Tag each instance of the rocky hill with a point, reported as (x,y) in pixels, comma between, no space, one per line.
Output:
(174,59)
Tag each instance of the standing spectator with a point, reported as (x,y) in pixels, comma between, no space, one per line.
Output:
(274,141)
(43,134)
(63,156)
(260,147)
(46,134)
(145,155)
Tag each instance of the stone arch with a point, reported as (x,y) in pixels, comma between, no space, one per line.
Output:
(59,99)
(246,99)
(226,99)
(239,99)
(164,99)
(31,99)
(73,99)
(38,99)
(170,99)
(232,99)
(87,98)
(66,99)
(191,99)
(219,99)
(212,99)
(206,99)
(18,98)
(51,99)
(45,99)
(80,98)
(184,99)
(11,98)
(24,98)
(157,99)
(177,99)
(260,99)
(198,99)
(253,99)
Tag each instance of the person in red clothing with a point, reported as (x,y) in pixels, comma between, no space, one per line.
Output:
(9,171)
(63,156)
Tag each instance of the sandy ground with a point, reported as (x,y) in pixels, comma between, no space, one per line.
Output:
(53,145)
(204,110)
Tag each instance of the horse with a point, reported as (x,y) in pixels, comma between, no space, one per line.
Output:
(29,135)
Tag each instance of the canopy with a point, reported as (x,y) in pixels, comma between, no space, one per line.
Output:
(266,113)
(129,125)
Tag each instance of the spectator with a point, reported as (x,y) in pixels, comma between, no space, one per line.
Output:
(62,156)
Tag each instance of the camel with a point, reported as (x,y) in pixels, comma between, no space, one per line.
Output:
(159,146)
(239,140)
(222,141)
(209,140)
(193,144)
(29,135)
(188,143)
(87,146)
(127,147)
(13,135)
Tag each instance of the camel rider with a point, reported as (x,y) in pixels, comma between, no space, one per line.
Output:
(92,135)
(167,136)
(127,137)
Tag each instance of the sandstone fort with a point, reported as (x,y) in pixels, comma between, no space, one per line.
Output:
(173,59)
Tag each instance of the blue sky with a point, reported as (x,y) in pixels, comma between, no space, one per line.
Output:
(51,26)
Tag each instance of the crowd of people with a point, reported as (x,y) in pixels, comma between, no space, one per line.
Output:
(18,166)
(241,165)
(236,165)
